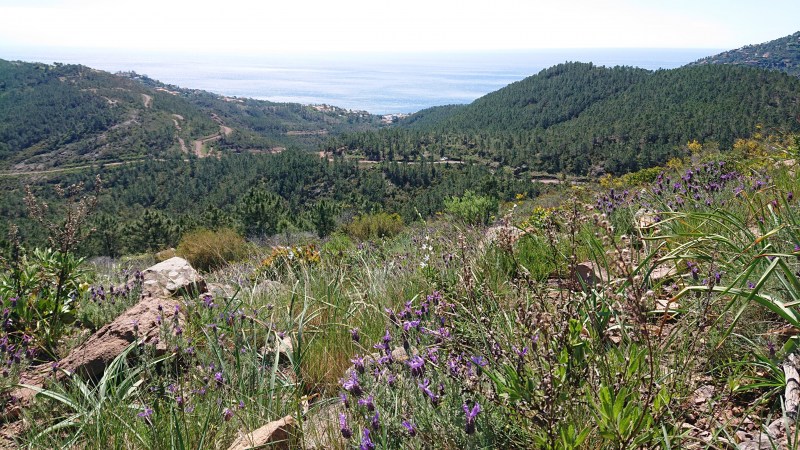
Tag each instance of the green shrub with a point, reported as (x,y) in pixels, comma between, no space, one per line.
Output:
(370,226)
(41,288)
(472,209)
(208,250)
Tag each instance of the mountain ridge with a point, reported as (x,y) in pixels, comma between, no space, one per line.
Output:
(60,115)
(782,54)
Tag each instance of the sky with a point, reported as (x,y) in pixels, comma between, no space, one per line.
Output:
(318,26)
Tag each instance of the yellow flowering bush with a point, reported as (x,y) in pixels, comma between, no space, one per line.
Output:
(285,258)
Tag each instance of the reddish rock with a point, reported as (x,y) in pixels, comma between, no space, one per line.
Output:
(139,321)
(275,435)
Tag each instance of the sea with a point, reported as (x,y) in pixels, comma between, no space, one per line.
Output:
(377,83)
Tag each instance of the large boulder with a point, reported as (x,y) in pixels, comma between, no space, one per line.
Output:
(141,321)
(588,275)
(174,276)
(277,435)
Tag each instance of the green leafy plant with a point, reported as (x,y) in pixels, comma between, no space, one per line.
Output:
(471,208)
(45,286)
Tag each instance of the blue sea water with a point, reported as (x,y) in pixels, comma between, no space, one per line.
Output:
(378,83)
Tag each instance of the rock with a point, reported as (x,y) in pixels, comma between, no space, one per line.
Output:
(773,437)
(589,274)
(91,358)
(266,287)
(274,435)
(141,320)
(644,218)
(285,349)
(703,394)
(665,306)
(220,290)
(174,276)
(321,428)
(503,233)
(662,273)
(399,354)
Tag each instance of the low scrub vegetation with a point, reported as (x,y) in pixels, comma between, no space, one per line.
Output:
(657,311)
(212,249)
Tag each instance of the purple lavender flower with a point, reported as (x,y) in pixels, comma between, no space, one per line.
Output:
(146,413)
(452,366)
(411,324)
(358,363)
(410,427)
(695,271)
(425,386)
(751,285)
(470,416)
(227,414)
(417,365)
(347,433)
(366,442)
(433,354)
(376,421)
(479,361)
(351,385)
(355,335)
(367,403)
(219,378)
(345,400)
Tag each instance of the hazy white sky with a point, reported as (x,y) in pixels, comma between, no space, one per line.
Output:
(301,26)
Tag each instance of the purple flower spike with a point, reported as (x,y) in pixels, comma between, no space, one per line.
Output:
(347,433)
(227,414)
(355,335)
(376,421)
(470,416)
(351,385)
(410,427)
(417,365)
(367,403)
(146,413)
(366,442)
(425,386)
(479,361)
(358,363)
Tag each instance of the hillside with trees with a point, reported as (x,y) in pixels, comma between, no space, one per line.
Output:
(780,54)
(55,116)
(583,119)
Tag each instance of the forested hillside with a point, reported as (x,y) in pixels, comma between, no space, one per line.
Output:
(781,54)
(584,119)
(68,115)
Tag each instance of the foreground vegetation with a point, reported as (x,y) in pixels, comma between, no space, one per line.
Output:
(386,335)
